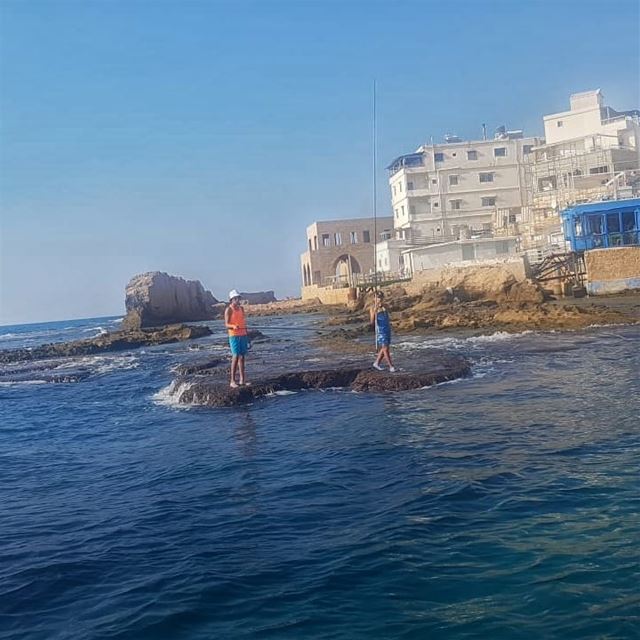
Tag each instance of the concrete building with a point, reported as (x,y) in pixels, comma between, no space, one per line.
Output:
(459,252)
(338,250)
(442,189)
(389,254)
(590,152)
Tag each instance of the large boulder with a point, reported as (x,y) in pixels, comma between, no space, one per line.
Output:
(155,298)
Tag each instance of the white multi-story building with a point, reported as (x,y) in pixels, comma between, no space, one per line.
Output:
(444,190)
(590,151)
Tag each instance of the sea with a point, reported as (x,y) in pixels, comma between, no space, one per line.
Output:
(505,505)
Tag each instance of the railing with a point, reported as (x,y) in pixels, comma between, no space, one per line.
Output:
(367,279)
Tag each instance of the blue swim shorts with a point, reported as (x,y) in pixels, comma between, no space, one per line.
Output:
(239,345)
(383,339)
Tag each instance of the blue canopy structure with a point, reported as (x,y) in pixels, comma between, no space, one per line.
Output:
(597,225)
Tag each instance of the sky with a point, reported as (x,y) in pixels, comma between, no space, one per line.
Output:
(202,138)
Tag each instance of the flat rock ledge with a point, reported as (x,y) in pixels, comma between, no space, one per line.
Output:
(213,393)
(114,341)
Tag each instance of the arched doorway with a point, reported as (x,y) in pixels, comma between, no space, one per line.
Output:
(345,267)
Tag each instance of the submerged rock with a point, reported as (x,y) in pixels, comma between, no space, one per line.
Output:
(114,341)
(212,392)
(155,298)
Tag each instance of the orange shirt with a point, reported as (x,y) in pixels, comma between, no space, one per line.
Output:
(237,317)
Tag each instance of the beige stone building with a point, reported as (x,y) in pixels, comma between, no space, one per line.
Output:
(338,251)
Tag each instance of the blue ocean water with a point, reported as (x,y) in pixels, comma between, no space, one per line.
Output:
(502,506)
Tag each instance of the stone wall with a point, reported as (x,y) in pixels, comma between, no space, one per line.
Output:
(612,270)
(326,295)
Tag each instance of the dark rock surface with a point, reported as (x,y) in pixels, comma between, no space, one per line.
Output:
(200,368)
(154,299)
(115,341)
(211,391)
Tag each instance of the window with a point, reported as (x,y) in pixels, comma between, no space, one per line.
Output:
(315,242)
(353,237)
(527,148)
(595,170)
(397,212)
(594,223)
(434,182)
(453,180)
(366,236)
(559,123)
(472,155)
(502,247)
(438,157)
(468,252)
(436,204)
(400,187)
(489,202)
(310,247)
(409,186)
(486,177)
(337,238)
(394,189)
(548,183)
(455,204)
(512,218)
(402,208)
(613,222)
(326,240)
(500,152)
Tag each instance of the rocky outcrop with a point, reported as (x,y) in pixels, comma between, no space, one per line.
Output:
(115,341)
(154,299)
(211,392)
(259,297)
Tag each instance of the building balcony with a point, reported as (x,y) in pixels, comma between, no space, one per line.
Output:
(420,193)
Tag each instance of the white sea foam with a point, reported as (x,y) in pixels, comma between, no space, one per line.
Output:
(461,343)
(498,336)
(101,364)
(170,395)
(16,383)
(99,331)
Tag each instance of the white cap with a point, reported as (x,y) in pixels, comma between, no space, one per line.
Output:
(233,294)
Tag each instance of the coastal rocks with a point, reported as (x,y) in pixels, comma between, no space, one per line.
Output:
(194,390)
(155,298)
(259,297)
(114,341)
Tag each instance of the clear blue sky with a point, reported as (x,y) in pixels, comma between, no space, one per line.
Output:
(201,138)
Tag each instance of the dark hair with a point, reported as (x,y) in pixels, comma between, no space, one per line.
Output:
(379,294)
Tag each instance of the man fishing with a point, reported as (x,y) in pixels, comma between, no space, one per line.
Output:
(234,320)
(379,317)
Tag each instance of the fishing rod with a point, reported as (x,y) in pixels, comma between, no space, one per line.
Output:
(259,328)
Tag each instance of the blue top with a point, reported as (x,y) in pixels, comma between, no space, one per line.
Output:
(383,322)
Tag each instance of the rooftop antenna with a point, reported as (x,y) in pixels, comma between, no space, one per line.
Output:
(484,131)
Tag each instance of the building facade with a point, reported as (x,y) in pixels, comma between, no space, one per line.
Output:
(338,250)
(459,252)
(590,152)
(442,189)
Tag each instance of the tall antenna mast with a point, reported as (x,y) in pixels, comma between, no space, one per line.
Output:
(375,208)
